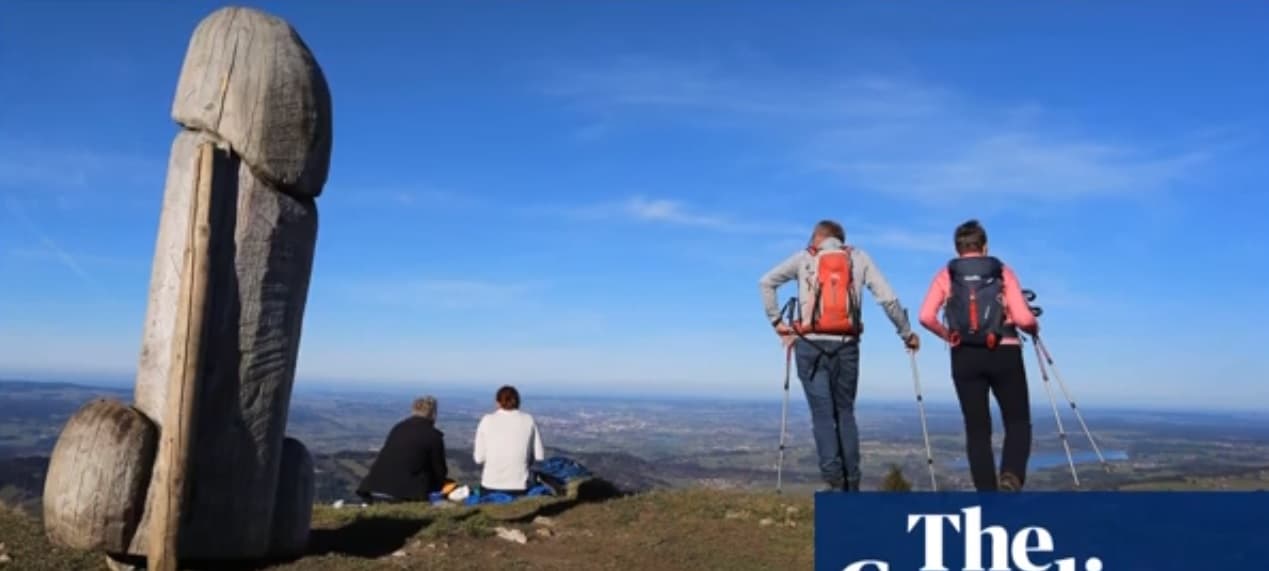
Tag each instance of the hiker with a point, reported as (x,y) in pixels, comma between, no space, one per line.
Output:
(825,339)
(507,443)
(411,463)
(985,308)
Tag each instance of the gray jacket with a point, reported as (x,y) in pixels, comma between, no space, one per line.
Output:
(801,266)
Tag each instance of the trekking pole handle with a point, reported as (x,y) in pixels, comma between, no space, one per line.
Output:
(1030,296)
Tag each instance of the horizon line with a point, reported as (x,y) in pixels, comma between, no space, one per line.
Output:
(449,389)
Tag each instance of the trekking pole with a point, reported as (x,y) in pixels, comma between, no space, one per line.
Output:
(925,433)
(1044,374)
(784,418)
(1041,348)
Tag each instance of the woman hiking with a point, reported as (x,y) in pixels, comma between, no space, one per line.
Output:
(984,310)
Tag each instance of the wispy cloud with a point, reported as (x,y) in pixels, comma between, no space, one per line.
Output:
(45,253)
(50,246)
(900,239)
(678,213)
(893,135)
(400,196)
(440,293)
(670,212)
(38,169)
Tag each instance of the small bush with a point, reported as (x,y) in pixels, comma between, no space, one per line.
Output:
(895,481)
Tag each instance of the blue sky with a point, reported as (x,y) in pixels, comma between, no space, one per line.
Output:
(581,196)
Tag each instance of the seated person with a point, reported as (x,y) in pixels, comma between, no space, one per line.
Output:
(507,443)
(411,463)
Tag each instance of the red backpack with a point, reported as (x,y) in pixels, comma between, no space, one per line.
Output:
(831,308)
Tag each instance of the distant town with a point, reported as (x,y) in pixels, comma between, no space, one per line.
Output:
(644,444)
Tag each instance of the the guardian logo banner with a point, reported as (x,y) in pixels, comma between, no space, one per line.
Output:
(1066,531)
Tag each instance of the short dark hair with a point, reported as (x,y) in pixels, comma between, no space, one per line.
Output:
(508,398)
(830,227)
(970,237)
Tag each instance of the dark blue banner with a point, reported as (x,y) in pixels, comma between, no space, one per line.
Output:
(1042,531)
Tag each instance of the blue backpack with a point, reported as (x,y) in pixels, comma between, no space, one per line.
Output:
(975,311)
(558,471)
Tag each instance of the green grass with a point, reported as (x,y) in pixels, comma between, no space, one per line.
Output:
(664,530)
(25,543)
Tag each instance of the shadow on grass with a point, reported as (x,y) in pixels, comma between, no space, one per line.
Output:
(365,537)
(589,491)
(369,537)
(376,536)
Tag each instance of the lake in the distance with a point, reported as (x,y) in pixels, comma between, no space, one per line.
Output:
(1043,460)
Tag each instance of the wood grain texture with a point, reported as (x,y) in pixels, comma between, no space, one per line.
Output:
(293,514)
(172,465)
(249,79)
(249,86)
(261,260)
(97,477)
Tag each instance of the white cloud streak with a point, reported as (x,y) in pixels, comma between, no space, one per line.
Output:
(401,196)
(441,293)
(899,137)
(670,212)
(26,167)
(51,247)
(677,213)
(47,253)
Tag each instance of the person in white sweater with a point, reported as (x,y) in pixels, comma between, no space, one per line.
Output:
(507,443)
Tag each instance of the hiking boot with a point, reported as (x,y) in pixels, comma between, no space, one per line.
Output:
(1010,483)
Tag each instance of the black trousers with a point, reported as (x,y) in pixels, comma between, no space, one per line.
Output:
(977,371)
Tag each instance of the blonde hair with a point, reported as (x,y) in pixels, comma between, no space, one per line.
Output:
(425,407)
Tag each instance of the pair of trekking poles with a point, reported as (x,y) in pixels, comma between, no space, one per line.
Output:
(1042,357)
(789,308)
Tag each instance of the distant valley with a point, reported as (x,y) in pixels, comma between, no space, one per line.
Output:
(645,444)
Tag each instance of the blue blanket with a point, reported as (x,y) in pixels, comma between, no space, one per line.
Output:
(501,498)
(560,469)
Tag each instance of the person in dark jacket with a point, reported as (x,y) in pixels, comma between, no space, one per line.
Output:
(411,463)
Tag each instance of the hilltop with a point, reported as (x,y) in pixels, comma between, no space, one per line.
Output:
(663,529)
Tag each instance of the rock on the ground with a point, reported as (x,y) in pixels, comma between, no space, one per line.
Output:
(545,532)
(543,520)
(766,521)
(513,535)
(736,514)
(4,558)
(398,553)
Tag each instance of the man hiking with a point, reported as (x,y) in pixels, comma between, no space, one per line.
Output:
(825,339)
(985,309)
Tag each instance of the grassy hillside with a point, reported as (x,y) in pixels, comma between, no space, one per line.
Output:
(23,546)
(665,530)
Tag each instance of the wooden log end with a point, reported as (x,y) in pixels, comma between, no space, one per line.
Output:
(98,474)
(249,79)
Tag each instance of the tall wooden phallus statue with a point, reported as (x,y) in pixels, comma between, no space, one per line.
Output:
(199,468)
